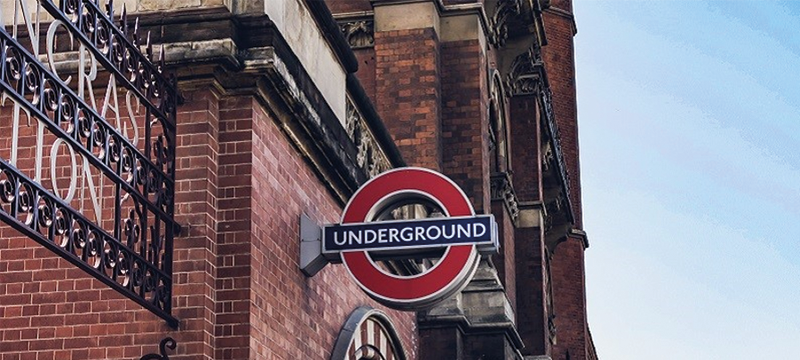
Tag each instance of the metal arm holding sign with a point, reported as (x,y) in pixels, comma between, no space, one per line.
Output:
(463,236)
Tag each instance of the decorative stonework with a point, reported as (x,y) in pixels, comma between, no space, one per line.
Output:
(548,157)
(503,189)
(527,71)
(547,100)
(359,33)
(527,76)
(503,10)
(552,207)
(370,156)
(498,129)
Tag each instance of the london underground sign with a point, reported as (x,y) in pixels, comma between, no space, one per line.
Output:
(410,235)
(461,234)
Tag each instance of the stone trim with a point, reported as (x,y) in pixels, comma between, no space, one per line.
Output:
(373,121)
(329,26)
(482,307)
(527,76)
(502,12)
(580,235)
(503,190)
(369,157)
(407,15)
(530,214)
(453,22)
(360,33)
(250,55)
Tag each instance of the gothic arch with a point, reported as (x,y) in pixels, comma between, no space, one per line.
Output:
(500,159)
(368,334)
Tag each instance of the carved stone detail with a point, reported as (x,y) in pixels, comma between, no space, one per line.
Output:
(370,156)
(528,76)
(503,189)
(359,33)
(554,209)
(548,158)
(503,10)
(527,71)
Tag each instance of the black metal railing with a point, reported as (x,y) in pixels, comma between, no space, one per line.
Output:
(134,254)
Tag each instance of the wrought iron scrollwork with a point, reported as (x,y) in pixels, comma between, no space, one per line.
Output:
(134,255)
(166,342)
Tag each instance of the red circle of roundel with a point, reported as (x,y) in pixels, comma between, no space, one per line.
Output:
(453,263)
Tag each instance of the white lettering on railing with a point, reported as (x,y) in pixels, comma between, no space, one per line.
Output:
(125,117)
(51,39)
(73,174)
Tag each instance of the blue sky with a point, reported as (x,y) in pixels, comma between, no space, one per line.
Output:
(689,115)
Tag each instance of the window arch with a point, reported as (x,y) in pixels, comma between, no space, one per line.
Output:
(368,334)
(499,158)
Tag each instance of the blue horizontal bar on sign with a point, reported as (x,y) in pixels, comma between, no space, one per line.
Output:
(409,234)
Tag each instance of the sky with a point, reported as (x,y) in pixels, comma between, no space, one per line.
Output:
(689,118)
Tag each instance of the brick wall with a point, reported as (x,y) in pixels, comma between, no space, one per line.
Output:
(238,291)
(526,140)
(569,300)
(465,122)
(52,310)
(567,265)
(505,261)
(559,58)
(532,313)
(408,93)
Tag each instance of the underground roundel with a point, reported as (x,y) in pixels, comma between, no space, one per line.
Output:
(363,235)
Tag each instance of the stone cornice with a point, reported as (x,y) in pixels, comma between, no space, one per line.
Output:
(482,307)
(248,55)
(319,9)
(442,10)
(580,235)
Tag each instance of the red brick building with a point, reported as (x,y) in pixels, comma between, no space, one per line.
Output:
(283,108)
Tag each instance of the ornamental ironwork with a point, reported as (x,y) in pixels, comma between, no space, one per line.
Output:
(100,189)
(166,343)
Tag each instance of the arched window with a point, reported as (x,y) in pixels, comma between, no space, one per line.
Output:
(368,334)
(498,129)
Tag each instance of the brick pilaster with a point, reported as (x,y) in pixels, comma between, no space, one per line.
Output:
(234,214)
(465,121)
(567,268)
(559,59)
(408,91)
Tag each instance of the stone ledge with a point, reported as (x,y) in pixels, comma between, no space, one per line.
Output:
(481,308)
